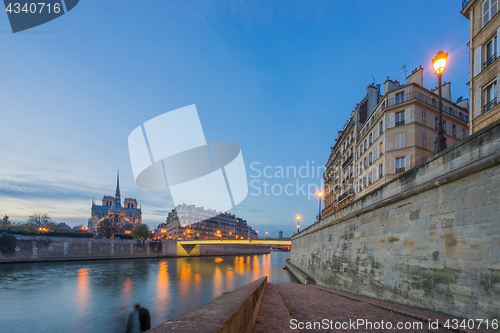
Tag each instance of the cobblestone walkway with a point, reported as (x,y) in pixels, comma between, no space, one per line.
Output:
(285,301)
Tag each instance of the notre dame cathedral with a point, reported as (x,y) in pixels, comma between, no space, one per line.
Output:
(124,218)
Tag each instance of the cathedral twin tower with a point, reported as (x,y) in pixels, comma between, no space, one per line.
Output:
(125,217)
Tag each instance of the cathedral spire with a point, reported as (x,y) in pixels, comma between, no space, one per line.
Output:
(117,193)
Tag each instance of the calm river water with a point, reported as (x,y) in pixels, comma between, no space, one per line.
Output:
(97,296)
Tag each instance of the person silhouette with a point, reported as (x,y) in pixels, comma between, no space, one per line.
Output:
(144,318)
(133,323)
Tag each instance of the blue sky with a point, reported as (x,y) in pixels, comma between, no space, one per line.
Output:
(278,78)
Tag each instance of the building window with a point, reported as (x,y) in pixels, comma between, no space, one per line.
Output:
(424,140)
(444,127)
(400,165)
(400,98)
(424,117)
(454,130)
(400,118)
(491,52)
(370,139)
(490,94)
(400,141)
(381,170)
(381,148)
(370,159)
(490,8)
(381,126)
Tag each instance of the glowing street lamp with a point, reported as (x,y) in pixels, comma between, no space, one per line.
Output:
(266,234)
(298,222)
(439,63)
(320,194)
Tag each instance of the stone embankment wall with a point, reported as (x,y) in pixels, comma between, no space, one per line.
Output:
(234,311)
(44,248)
(429,238)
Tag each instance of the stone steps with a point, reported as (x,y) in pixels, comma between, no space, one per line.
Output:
(273,315)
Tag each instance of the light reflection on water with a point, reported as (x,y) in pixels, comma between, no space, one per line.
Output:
(97,296)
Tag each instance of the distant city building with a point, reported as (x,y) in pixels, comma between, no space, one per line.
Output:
(484,68)
(125,218)
(181,224)
(387,135)
(281,235)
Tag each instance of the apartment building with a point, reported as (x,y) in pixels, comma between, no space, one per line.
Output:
(401,131)
(396,135)
(484,68)
(339,174)
(191,222)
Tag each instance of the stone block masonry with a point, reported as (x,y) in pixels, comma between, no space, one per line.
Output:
(429,238)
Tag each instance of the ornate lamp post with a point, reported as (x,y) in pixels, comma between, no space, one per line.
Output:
(439,63)
(320,194)
(298,222)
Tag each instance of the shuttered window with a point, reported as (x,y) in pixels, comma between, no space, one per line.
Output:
(477,61)
(490,8)
(424,117)
(486,12)
(400,141)
(424,140)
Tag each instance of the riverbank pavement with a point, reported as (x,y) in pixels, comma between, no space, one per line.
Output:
(289,307)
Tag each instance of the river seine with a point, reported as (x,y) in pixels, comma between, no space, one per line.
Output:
(97,296)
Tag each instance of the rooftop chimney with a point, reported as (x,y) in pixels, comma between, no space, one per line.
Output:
(416,76)
(390,85)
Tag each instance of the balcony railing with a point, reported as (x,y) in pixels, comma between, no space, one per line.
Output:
(347,161)
(332,162)
(488,106)
(430,100)
(490,60)
(399,123)
(326,208)
(346,194)
(398,170)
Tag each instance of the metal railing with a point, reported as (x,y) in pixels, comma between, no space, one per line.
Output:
(398,170)
(326,208)
(489,61)
(399,123)
(488,106)
(347,161)
(332,162)
(346,194)
(430,100)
